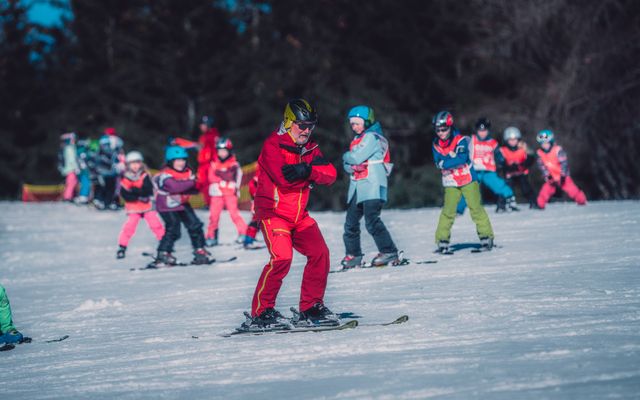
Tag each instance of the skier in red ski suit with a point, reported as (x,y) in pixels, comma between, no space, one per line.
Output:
(207,153)
(289,165)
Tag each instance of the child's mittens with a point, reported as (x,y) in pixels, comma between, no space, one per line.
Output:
(214,190)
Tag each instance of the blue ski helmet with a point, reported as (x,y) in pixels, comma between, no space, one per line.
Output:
(174,153)
(364,112)
(545,136)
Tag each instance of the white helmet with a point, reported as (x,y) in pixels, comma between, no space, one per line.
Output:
(133,156)
(512,133)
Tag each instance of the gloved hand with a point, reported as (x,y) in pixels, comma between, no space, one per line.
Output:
(294,172)
(214,189)
(359,167)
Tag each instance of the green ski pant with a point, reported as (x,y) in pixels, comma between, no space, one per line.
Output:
(6,323)
(452,195)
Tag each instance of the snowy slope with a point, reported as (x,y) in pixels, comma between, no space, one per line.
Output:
(554,313)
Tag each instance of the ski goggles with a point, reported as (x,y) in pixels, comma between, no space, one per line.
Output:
(443,129)
(304,126)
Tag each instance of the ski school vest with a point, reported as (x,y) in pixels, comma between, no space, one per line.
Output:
(175,200)
(228,173)
(129,182)
(482,154)
(458,176)
(551,161)
(515,157)
(386,160)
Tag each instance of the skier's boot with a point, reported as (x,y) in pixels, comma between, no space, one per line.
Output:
(443,247)
(486,243)
(200,256)
(533,204)
(210,242)
(269,319)
(316,315)
(12,336)
(121,252)
(383,259)
(350,261)
(511,204)
(165,258)
(81,200)
(501,205)
(98,204)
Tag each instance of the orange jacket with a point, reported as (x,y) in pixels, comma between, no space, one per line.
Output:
(276,196)
(137,192)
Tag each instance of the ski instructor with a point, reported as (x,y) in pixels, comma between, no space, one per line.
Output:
(290,163)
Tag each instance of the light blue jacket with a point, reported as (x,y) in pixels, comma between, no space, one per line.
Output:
(372,149)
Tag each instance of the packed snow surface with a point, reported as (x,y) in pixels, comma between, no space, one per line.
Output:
(554,313)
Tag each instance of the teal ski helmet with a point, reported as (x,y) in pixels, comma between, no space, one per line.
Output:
(174,153)
(545,136)
(364,112)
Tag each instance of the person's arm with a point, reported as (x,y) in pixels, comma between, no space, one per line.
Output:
(459,157)
(322,171)
(498,157)
(271,162)
(147,187)
(564,163)
(130,194)
(543,169)
(174,186)
(362,151)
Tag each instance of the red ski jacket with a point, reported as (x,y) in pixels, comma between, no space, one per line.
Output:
(276,196)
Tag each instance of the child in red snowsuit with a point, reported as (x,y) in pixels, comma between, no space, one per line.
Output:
(289,164)
(136,190)
(225,176)
(552,161)
(206,154)
(516,160)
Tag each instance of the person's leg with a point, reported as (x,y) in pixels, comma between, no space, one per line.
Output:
(546,191)
(129,229)
(308,240)
(6,321)
(471,193)
(497,185)
(351,235)
(216,204)
(574,192)
(231,203)
(154,223)
(376,228)
(194,226)
(277,237)
(71,180)
(172,231)
(85,184)
(448,214)
(109,189)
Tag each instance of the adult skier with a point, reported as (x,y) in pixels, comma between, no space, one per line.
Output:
(486,155)
(290,163)
(516,162)
(451,156)
(552,161)
(8,332)
(368,164)
(206,154)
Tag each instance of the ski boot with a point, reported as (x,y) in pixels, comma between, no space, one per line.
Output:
(511,204)
(201,256)
(316,315)
(443,247)
(81,200)
(99,205)
(486,244)
(211,242)
(241,239)
(11,337)
(164,258)
(121,252)
(350,261)
(501,205)
(269,319)
(383,259)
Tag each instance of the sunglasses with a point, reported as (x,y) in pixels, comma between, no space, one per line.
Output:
(443,129)
(304,127)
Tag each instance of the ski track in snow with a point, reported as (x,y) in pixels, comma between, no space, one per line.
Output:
(553,314)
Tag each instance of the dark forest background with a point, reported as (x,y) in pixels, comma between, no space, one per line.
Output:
(151,68)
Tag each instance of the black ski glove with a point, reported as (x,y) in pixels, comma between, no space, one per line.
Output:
(294,172)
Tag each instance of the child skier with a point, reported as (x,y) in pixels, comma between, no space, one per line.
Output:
(451,156)
(552,161)
(137,192)
(8,332)
(367,163)
(516,162)
(225,177)
(484,154)
(84,176)
(68,165)
(175,183)
(289,164)
(108,167)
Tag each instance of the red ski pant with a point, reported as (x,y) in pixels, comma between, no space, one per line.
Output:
(217,204)
(129,227)
(202,182)
(569,187)
(281,237)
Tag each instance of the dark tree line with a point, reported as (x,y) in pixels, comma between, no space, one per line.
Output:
(151,68)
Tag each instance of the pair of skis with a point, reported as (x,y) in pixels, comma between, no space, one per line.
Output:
(152,266)
(350,324)
(401,261)
(11,346)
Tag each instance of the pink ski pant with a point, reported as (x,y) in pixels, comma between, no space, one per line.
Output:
(70,183)
(217,204)
(129,227)
(569,187)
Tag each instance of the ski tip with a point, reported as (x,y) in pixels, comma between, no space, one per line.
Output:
(401,319)
(348,325)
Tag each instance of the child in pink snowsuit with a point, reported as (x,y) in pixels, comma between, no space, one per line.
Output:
(68,164)
(552,161)
(137,191)
(225,176)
